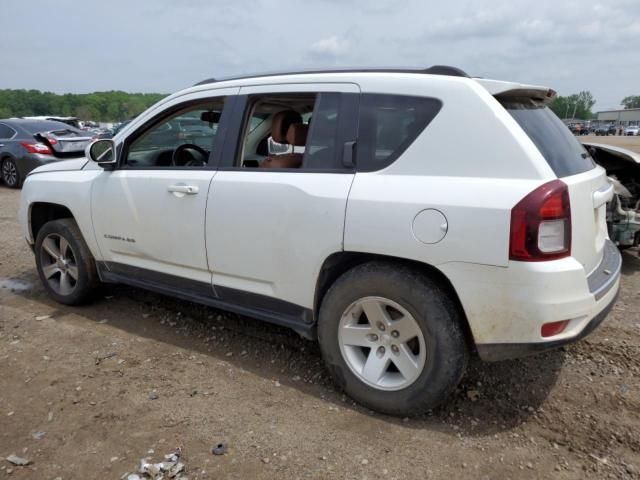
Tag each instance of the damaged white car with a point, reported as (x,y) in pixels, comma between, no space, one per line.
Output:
(623,212)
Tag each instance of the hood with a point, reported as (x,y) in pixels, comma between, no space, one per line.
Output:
(62,166)
(619,153)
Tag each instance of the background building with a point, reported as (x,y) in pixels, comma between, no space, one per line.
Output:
(626,117)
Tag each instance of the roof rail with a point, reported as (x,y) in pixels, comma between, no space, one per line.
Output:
(433,70)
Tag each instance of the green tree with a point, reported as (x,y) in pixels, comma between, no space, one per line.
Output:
(578,105)
(632,101)
(97,106)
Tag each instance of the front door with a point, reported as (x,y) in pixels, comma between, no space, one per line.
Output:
(149,213)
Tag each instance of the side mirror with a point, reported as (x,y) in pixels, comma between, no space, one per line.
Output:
(102,151)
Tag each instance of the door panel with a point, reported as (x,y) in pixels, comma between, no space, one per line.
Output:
(138,221)
(150,212)
(269,232)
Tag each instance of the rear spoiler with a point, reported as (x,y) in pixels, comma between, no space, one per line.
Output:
(507,90)
(64,143)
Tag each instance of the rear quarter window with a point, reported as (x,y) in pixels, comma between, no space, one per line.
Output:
(563,152)
(388,125)
(6,131)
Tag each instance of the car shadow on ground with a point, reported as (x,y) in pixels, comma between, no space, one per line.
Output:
(491,397)
(630,261)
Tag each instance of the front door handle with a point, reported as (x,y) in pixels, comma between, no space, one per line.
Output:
(184,189)
(1,145)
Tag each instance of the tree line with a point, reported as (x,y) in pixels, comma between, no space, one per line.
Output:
(579,105)
(116,106)
(110,106)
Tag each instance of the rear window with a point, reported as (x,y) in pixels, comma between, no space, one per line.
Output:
(564,153)
(388,125)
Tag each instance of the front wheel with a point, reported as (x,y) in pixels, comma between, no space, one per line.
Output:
(65,265)
(392,338)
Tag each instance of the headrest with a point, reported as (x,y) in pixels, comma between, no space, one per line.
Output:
(281,122)
(297,134)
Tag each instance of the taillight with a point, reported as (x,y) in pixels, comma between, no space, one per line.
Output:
(36,148)
(541,224)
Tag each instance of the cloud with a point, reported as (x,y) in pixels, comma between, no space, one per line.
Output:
(164,45)
(329,48)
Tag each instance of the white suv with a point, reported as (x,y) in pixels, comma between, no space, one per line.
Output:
(411,218)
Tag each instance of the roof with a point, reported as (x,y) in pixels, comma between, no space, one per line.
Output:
(49,117)
(433,70)
(494,87)
(32,125)
(619,110)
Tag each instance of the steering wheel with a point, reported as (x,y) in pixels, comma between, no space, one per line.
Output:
(178,159)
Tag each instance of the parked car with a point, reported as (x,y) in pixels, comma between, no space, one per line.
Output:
(112,132)
(401,250)
(632,130)
(71,121)
(579,128)
(605,130)
(27,144)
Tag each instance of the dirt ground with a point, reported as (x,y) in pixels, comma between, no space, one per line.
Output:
(86,392)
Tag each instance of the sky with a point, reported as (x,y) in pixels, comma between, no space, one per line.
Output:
(162,46)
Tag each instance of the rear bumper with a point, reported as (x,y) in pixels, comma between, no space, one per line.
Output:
(507,307)
(492,352)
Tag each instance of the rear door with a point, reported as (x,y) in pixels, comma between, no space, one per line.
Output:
(270,229)
(589,188)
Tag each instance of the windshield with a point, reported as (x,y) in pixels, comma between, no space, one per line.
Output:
(564,153)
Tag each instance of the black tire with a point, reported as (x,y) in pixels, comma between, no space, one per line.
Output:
(439,320)
(87,277)
(10,173)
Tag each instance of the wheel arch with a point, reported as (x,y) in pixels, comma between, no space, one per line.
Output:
(43,212)
(339,263)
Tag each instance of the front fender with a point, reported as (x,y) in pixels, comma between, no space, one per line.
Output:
(70,189)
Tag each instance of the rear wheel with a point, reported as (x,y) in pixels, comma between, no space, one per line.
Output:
(65,264)
(392,338)
(10,174)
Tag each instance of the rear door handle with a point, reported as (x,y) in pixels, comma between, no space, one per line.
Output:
(185,189)
(1,144)
(602,196)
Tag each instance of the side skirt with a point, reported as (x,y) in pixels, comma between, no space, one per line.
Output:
(269,309)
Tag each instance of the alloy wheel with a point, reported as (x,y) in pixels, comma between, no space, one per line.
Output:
(9,173)
(382,343)
(58,263)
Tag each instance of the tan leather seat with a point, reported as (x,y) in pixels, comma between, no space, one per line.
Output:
(281,123)
(296,135)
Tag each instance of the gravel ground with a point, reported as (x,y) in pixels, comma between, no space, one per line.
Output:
(86,392)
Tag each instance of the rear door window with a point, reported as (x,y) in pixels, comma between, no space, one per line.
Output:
(564,153)
(388,125)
